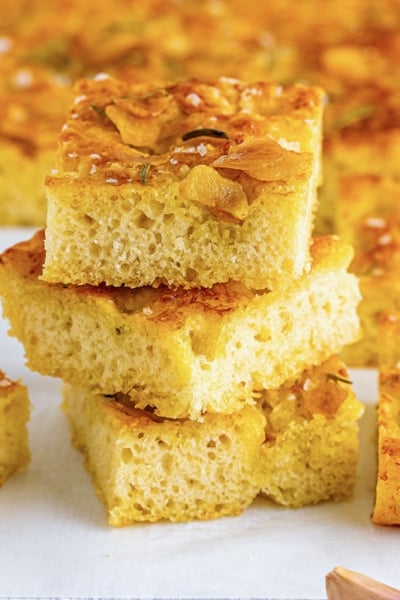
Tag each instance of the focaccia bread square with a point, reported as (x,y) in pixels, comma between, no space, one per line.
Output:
(14,415)
(380,293)
(192,184)
(311,449)
(387,496)
(374,231)
(33,106)
(146,468)
(298,445)
(185,352)
(361,139)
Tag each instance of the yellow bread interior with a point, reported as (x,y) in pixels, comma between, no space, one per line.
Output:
(183,352)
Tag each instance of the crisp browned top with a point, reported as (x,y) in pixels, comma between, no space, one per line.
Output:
(119,131)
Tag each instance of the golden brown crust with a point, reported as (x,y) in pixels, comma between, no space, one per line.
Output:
(130,124)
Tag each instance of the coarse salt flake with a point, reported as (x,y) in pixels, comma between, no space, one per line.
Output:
(375,222)
(79,99)
(101,76)
(307,385)
(23,78)
(193,99)
(292,146)
(392,318)
(5,44)
(229,80)
(202,149)
(385,239)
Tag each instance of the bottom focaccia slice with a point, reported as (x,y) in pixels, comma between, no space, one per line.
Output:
(14,415)
(147,468)
(183,352)
(311,448)
(298,445)
(387,494)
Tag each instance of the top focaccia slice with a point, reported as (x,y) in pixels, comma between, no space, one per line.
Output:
(193,184)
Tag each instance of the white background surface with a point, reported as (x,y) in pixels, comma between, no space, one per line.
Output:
(55,540)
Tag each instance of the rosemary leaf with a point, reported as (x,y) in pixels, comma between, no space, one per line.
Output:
(144,169)
(336,378)
(100,111)
(354,115)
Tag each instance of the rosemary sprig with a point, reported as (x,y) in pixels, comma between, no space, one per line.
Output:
(143,172)
(336,378)
(354,115)
(100,111)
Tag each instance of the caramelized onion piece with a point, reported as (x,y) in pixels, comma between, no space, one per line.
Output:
(134,131)
(264,160)
(224,197)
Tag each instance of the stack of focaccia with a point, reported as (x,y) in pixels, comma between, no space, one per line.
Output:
(179,294)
